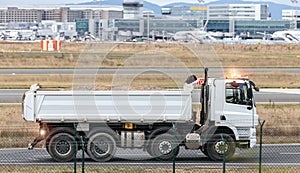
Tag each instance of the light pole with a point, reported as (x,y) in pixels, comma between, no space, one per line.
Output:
(153,35)
(203,14)
(294,14)
(148,27)
(5,16)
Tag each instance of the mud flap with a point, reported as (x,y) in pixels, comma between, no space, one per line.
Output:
(35,141)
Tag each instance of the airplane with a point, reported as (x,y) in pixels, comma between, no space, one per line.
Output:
(290,36)
(194,35)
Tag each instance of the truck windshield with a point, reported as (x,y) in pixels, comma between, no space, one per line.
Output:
(237,94)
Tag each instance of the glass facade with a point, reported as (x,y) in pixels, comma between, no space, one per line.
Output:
(127,25)
(251,27)
(166,26)
(156,25)
(218,26)
(171,26)
(193,12)
(263,26)
(82,26)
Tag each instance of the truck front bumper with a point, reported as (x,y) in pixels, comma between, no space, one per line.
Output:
(252,137)
(248,140)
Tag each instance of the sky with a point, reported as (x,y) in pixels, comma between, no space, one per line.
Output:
(159,2)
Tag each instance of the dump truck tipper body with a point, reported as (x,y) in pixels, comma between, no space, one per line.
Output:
(108,106)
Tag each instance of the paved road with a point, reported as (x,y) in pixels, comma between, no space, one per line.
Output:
(11,95)
(143,70)
(264,96)
(278,96)
(273,155)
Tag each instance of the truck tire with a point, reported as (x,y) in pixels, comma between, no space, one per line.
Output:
(164,147)
(47,146)
(101,146)
(61,147)
(216,147)
(204,150)
(56,131)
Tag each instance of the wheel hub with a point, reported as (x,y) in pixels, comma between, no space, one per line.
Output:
(221,147)
(101,147)
(63,147)
(165,147)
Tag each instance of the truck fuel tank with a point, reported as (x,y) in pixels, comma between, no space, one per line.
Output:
(192,141)
(130,139)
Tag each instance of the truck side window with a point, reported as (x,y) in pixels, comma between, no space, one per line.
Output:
(237,95)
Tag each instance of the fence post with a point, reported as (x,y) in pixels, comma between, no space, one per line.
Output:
(224,155)
(173,160)
(260,143)
(83,149)
(75,148)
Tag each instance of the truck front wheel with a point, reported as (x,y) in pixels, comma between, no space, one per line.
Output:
(164,147)
(219,145)
(101,147)
(61,147)
(204,150)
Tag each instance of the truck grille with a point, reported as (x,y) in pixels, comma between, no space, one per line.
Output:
(243,132)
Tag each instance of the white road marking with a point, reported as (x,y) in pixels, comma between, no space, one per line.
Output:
(286,91)
(290,153)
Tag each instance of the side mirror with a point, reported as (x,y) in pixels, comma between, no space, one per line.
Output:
(251,105)
(254,86)
(250,96)
(190,79)
(249,93)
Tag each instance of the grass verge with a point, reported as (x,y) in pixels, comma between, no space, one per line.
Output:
(19,55)
(140,81)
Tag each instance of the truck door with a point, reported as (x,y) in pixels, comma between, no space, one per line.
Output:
(238,108)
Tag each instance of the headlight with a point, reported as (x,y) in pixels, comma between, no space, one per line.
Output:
(43,132)
(253,132)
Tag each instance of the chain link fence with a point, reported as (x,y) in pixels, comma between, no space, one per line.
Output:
(15,157)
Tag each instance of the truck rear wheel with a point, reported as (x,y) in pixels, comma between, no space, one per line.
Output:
(61,147)
(101,146)
(219,145)
(164,147)
(47,146)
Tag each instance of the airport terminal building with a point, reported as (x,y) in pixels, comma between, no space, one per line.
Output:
(248,20)
(121,23)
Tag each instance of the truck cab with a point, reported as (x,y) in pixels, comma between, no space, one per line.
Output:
(238,110)
(229,116)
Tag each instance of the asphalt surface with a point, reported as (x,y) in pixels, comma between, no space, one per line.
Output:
(273,155)
(144,71)
(11,95)
(278,96)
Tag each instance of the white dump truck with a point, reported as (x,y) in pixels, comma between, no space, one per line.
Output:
(158,122)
